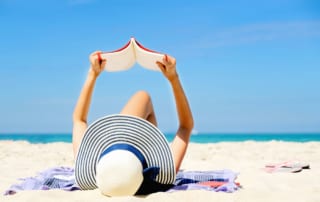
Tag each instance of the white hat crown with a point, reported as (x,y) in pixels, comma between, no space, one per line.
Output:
(119,173)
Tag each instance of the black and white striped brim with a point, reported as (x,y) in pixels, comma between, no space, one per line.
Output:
(123,129)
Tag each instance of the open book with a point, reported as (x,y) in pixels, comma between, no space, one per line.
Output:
(125,57)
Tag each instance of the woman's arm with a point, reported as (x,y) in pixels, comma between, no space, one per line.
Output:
(82,107)
(181,140)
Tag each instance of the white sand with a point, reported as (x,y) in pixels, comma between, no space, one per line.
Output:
(21,159)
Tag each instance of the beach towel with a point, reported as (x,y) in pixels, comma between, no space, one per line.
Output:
(219,180)
(53,178)
(63,178)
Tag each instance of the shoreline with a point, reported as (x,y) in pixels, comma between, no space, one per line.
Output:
(196,138)
(22,159)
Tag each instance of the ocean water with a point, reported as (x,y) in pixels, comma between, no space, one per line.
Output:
(197,138)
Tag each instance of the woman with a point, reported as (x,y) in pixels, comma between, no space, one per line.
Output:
(139,105)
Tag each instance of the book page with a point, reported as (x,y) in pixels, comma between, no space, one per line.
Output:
(147,58)
(121,59)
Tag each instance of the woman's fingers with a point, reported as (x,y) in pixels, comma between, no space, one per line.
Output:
(161,66)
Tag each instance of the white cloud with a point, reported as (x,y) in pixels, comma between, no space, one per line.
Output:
(260,32)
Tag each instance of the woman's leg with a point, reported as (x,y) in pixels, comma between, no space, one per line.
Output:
(140,105)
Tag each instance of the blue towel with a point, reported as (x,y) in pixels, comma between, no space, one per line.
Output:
(53,178)
(63,178)
(189,180)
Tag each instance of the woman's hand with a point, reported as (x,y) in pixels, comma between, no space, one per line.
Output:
(168,67)
(97,63)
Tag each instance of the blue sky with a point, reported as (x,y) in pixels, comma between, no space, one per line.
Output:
(246,66)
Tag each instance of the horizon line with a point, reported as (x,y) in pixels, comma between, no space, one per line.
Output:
(171,133)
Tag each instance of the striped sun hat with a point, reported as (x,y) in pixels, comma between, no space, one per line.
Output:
(126,133)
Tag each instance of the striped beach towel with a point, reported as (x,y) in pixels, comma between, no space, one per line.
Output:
(63,178)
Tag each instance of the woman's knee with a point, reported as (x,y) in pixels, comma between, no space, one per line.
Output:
(139,104)
(143,95)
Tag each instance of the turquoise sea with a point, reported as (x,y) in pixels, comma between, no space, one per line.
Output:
(197,138)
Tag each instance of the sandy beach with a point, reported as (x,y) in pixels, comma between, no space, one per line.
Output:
(22,159)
